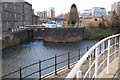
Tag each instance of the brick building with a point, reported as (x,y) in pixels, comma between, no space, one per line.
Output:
(16,14)
(51,12)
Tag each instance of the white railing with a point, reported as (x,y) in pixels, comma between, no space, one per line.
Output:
(100,56)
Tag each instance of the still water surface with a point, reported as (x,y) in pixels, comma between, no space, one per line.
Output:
(33,51)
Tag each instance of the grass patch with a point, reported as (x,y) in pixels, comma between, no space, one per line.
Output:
(97,33)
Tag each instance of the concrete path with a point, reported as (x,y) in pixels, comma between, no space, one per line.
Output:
(113,68)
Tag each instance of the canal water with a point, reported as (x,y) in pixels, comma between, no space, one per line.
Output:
(33,51)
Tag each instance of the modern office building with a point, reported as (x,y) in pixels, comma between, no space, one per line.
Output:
(87,14)
(94,12)
(42,14)
(116,7)
(51,12)
(98,11)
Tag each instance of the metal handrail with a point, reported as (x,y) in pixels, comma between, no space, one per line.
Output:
(68,59)
(73,72)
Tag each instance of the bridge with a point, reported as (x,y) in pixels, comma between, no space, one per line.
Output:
(105,63)
(100,61)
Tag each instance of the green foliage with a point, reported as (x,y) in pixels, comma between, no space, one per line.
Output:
(98,33)
(102,25)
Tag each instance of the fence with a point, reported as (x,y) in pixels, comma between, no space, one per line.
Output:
(39,63)
(105,52)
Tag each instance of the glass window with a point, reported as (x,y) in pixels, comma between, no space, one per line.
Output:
(0,16)
(15,15)
(10,15)
(5,5)
(6,15)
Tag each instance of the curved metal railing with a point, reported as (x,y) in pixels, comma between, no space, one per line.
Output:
(98,58)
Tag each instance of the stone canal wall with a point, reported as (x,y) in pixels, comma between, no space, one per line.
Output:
(63,34)
(55,35)
(15,38)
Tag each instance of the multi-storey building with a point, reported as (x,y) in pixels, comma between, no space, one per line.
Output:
(51,12)
(94,12)
(87,14)
(98,11)
(27,13)
(116,7)
(42,14)
(16,14)
(35,19)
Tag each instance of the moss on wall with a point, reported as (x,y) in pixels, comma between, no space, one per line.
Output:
(14,39)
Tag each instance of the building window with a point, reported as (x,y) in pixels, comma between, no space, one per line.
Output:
(22,4)
(15,8)
(15,16)
(10,15)
(0,16)
(5,5)
(6,15)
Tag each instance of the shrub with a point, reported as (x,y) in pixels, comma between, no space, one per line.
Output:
(102,25)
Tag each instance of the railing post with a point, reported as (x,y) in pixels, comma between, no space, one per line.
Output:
(89,67)
(87,48)
(100,48)
(105,44)
(68,60)
(103,48)
(79,55)
(20,73)
(55,65)
(119,56)
(119,48)
(115,46)
(108,60)
(40,69)
(94,52)
(79,74)
(96,62)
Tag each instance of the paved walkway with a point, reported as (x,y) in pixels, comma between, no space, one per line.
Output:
(113,68)
(62,73)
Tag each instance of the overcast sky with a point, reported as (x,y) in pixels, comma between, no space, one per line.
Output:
(63,6)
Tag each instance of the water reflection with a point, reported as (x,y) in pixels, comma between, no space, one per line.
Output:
(33,51)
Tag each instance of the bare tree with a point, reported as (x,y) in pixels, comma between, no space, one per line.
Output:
(115,21)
